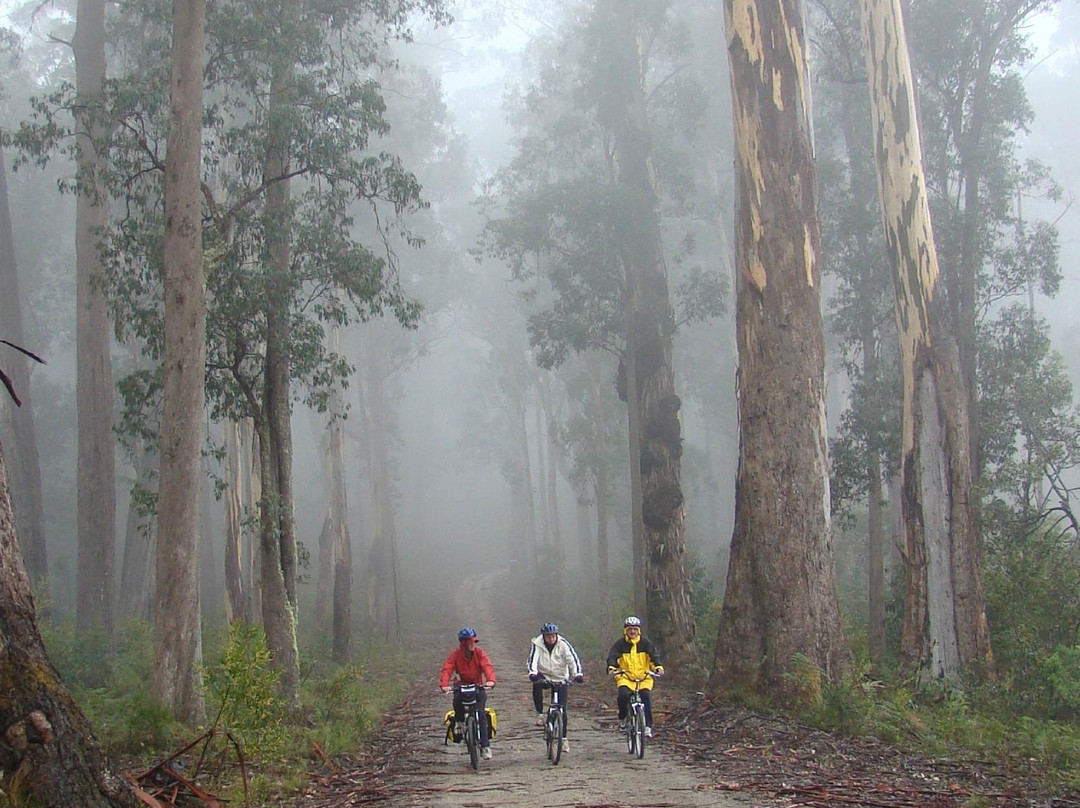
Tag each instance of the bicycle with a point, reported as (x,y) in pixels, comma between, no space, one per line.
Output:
(555,721)
(470,708)
(635,715)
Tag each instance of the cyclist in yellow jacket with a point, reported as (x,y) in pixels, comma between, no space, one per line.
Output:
(632,658)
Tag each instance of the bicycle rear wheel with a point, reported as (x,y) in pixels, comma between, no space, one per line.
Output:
(472,740)
(639,731)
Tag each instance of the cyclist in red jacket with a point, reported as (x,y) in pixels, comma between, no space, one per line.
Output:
(469,664)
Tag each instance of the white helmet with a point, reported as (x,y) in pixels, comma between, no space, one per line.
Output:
(632,621)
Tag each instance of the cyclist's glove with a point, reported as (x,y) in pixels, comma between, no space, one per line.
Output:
(534,677)
(659,670)
(612,671)
(579,679)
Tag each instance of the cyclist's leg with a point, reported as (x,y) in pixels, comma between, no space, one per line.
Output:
(458,713)
(481,703)
(623,701)
(564,692)
(538,696)
(646,699)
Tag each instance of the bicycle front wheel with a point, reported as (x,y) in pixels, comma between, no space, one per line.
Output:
(472,740)
(631,732)
(639,732)
(555,738)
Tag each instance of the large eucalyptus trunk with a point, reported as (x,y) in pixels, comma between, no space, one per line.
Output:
(50,755)
(780,606)
(177,680)
(278,537)
(94,385)
(25,463)
(945,627)
(650,382)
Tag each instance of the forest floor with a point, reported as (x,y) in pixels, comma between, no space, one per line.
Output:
(705,754)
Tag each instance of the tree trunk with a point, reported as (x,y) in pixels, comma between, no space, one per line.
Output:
(137,569)
(384,596)
(651,323)
(278,543)
(251,464)
(178,682)
(335,544)
(50,755)
(25,465)
(780,604)
(557,551)
(525,533)
(875,548)
(945,626)
(237,602)
(94,385)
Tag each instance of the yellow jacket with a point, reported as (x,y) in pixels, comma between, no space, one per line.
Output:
(637,657)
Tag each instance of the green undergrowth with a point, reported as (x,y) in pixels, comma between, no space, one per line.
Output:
(971,722)
(340,704)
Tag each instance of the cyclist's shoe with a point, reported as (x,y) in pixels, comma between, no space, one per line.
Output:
(539,719)
(565,745)
(622,726)
(648,732)
(485,753)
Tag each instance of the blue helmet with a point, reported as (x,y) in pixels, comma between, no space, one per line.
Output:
(466,633)
(549,628)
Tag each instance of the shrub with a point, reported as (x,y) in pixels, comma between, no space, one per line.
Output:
(242,692)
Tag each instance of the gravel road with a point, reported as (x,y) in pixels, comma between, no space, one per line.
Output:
(596,772)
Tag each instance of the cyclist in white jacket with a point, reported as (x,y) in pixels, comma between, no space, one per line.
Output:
(553,662)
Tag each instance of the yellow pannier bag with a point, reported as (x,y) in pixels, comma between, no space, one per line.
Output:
(448,720)
(493,720)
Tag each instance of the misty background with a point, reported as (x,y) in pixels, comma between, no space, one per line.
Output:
(451,383)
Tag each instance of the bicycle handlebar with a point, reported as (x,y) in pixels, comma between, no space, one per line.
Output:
(546,681)
(648,674)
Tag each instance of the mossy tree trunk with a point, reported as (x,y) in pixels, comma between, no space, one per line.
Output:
(48,752)
(26,465)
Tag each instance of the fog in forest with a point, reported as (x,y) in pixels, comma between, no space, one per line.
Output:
(459,407)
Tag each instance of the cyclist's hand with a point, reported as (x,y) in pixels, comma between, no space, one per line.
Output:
(579,679)
(490,685)
(447,689)
(658,671)
(534,677)
(613,671)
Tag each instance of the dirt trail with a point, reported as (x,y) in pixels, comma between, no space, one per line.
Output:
(596,772)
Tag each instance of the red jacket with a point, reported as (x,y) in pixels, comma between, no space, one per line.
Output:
(474,671)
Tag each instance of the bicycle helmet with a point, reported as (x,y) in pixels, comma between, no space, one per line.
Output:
(549,628)
(466,633)
(632,621)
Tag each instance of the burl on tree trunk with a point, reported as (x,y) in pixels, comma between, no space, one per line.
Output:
(48,751)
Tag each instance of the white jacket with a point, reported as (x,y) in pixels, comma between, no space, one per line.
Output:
(560,663)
